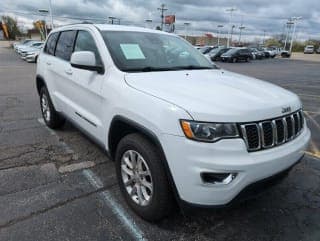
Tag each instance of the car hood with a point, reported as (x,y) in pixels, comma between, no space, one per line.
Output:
(27,49)
(216,95)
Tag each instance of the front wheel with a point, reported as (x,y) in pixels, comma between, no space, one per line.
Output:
(50,116)
(234,60)
(142,178)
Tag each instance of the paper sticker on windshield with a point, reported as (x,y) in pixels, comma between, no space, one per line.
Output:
(132,51)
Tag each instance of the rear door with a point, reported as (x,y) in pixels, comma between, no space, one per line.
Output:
(45,65)
(62,70)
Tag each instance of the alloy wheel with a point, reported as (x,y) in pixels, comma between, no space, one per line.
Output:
(45,108)
(136,177)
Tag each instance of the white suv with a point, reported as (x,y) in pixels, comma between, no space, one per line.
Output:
(179,128)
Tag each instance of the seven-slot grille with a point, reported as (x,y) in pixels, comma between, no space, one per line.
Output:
(270,133)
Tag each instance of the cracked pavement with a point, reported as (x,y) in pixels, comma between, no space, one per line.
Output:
(37,202)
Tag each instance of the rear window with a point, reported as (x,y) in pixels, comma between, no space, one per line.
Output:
(65,45)
(51,43)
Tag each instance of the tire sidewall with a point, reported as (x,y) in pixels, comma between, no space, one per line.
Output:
(44,91)
(159,182)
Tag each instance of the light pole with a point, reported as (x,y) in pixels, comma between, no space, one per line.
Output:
(219,27)
(186,29)
(231,10)
(233,26)
(162,9)
(51,14)
(264,37)
(240,28)
(288,25)
(295,22)
(45,11)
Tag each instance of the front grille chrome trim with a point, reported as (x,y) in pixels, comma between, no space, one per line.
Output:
(294,118)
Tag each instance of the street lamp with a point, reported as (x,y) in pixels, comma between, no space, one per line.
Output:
(231,10)
(186,29)
(288,25)
(44,11)
(232,27)
(219,27)
(51,14)
(295,22)
(240,28)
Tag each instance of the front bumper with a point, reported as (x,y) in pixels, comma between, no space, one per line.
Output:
(187,159)
(30,58)
(226,59)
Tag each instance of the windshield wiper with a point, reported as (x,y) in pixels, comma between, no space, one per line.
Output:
(150,68)
(190,67)
(147,69)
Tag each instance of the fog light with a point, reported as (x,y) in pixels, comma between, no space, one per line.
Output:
(218,178)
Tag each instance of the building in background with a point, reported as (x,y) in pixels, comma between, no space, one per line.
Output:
(207,39)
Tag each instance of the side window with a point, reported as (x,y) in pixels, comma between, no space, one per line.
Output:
(65,45)
(51,43)
(85,42)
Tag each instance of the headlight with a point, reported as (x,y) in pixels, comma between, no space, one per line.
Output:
(209,132)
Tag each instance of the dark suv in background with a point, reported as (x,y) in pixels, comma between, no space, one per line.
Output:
(237,54)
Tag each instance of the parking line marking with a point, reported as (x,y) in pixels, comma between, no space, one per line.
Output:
(312,120)
(96,182)
(312,96)
(314,155)
(115,207)
(53,133)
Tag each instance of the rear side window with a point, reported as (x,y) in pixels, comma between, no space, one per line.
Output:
(51,43)
(65,45)
(85,42)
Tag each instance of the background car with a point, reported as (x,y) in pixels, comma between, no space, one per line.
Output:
(206,49)
(215,54)
(28,45)
(318,50)
(285,54)
(270,52)
(23,42)
(31,55)
(236,54)
(32,45)
(256,54)
(309,49)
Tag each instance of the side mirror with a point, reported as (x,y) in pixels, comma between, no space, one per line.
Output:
(85,60)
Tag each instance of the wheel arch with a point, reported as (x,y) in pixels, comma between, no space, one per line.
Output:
(40,82)
(121,126)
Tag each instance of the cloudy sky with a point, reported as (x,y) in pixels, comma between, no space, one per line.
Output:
(204,15)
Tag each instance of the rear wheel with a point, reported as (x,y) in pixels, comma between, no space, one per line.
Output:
(142,178)
(50,116)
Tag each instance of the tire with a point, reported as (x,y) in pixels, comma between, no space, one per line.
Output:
(248,59)
(50,116)
(234,60)
(160,202)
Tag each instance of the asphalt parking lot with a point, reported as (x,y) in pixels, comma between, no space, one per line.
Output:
(44,197)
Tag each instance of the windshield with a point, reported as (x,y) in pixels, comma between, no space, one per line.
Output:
(214,51)
(142,51)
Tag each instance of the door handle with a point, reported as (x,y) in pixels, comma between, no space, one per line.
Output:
(48,63)
(68,71)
